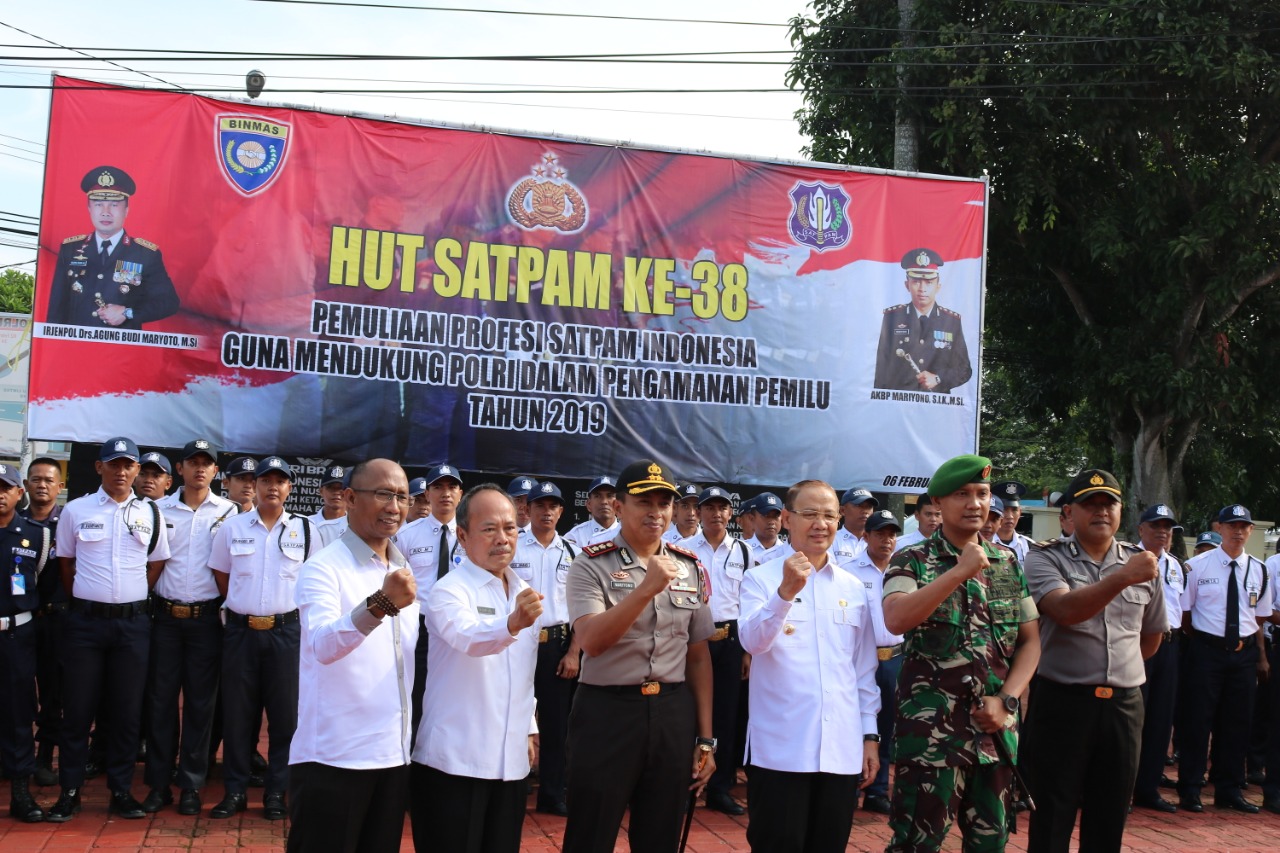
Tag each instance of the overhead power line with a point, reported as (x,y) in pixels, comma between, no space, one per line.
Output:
(523,12)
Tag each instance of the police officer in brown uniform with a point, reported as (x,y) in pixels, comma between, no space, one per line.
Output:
(640,728)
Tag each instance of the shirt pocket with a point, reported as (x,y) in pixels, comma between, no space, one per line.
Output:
(842,622)
(91,534)
(1136,599)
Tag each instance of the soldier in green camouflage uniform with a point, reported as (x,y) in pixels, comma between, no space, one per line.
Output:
(970,628)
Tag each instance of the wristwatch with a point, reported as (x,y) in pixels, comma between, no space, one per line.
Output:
(875,738)
(706,744)
(1011,703)
(128,313)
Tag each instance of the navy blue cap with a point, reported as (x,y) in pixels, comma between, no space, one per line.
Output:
(1235,512)
(9,474)
(273,463)
(1209,538)
(439,472)
(545,489)
(417,486)
(714,493)
(521,487)
(858,496)
(882,518)
(997,507)
(1009,491)
(602,481)
(688,490)
(116,448)
(766,502)
(199,445)
(159,460)
(746,506)
(241,465)
(335,474)
(108,183)
(1157,512)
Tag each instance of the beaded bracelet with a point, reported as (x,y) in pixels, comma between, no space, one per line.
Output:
(382,601)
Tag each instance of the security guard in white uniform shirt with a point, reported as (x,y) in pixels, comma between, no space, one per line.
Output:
(856,506)
(684,518)
(603,525)
(1010,493)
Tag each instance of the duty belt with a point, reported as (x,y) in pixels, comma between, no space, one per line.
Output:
(1097,691)
(553,632)
(1221,642)
(648,688)
(888,652)
(263,623)
(179,610)
(51,608)
(8,623)
(110,611)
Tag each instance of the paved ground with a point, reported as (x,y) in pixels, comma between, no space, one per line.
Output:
(1217,831)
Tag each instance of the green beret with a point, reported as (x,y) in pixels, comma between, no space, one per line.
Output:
(957,472)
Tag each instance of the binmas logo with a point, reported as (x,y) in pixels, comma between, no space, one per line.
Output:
(548,199)
(819,216)
(252,150)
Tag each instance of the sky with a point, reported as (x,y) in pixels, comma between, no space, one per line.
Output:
(111,42)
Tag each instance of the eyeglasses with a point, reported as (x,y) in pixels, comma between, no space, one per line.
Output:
(385,496)
(813,516)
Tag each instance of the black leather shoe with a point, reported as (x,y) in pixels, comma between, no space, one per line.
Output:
(1166,782)
(189,802)
(21,805)
(273,806)
(231,804)
(555,807)
(721,802)
(1272,805)
(1235,802)
(1256,777)
(875,803)
(67,806)
(1020,806)
(122,804)
(1190,803)
(93,767)
(157,799)
(1156,802)
(258,764)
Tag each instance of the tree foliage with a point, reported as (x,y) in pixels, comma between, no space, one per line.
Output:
(17,291)
(1134,231)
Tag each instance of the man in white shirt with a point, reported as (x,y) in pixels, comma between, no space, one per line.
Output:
(767,544)
(856,506)
(542,560)
(186,635)
(684,519)
(155,476)
(429,544)
(603,524)
(1271,786)
(812,731)
(331,521)
(726,559)
(256,557)
(882,540)
(349,760)
(1010,493)
(928,520)
(238,482)
(518,490)
(421,501)
(474,749)
(105,543)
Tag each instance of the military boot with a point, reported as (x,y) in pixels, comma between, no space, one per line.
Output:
(21,804)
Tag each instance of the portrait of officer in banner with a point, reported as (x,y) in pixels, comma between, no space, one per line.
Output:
(109,277)
(922,344)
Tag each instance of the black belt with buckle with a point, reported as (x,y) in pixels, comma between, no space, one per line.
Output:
(554,632)
(648,688)
(1221,642)
(263,623)
(884,653)
(184,610)
(111,611)
(1097,691)
(725,630)
(51,608)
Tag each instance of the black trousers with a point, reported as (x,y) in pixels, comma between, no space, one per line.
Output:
(726,686)
(554,695)
(18,700)
(800,812)
(186,658)
(49,630)
(419,678)
(465,815)
(1083,754)
(1216,695)
(337,810)
(1159,698)
(1271,789)
(259,671)
(104,664)
(628,750)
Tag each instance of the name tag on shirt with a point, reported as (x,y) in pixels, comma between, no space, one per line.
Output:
(486,611)
(622,585)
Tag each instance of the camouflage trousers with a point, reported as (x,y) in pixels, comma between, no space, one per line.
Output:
(926,800)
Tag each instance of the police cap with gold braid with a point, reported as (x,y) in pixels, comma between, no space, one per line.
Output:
(645,476)
(1090,482)
(107,183)
(959,471)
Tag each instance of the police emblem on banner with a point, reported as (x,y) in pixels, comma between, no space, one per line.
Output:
(252,150)
(819,216)
(548,199)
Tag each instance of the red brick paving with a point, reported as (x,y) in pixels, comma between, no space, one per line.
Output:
(1213,831)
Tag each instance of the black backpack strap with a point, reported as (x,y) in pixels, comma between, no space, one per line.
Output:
(155,528)
(568,548)
(746,556)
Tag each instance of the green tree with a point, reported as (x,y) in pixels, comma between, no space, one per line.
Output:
(17,291)
(1134,231)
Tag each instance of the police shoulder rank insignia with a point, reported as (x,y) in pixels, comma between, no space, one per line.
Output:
(684,552)
(948,312)
(146,244)
(251,149)
(599,548)
(79,238)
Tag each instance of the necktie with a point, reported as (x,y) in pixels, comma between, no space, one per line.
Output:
(1232,635)
(442,560)
(104,251)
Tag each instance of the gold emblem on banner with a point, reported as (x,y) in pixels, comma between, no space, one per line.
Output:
(548,199)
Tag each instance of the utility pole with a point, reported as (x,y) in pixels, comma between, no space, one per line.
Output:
(906,134)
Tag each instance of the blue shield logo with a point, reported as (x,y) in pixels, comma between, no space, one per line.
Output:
(819,216)
(252,150)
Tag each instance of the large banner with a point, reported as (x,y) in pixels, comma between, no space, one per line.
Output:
(322,285)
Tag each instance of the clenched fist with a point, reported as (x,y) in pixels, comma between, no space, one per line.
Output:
(795,574)
(658,573)
(1140,568)
(972,561)
(527,610)
(400,587)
